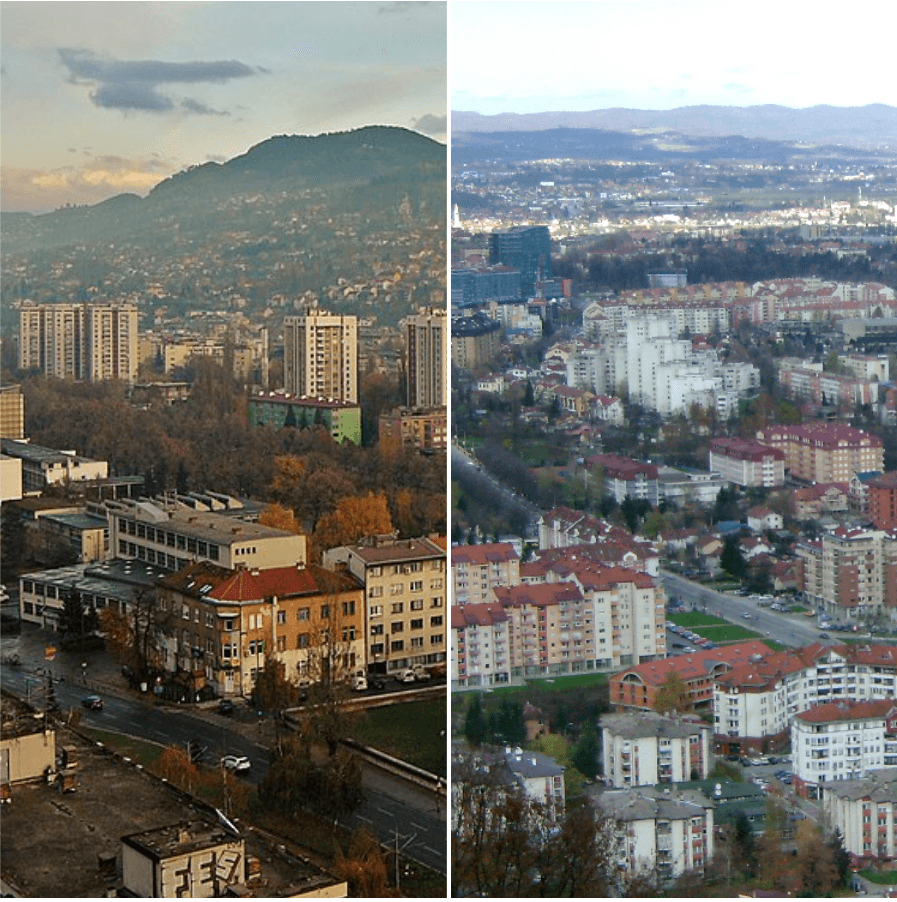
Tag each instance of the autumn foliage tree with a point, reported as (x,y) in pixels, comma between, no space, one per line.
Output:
(353,519)
(174,765)
(673,695)
(363,867)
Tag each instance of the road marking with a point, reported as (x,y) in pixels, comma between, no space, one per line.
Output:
(417,826)
(434,851)
(361,817)
(383,811)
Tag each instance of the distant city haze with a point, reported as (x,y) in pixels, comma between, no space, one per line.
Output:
(661,55)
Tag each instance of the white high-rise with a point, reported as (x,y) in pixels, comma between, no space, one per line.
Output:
(320,355)
(426,358)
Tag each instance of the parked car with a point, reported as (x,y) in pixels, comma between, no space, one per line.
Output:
(416,674)
(824,636)
(238,764)
(92,703)
(226,707)
(376,681)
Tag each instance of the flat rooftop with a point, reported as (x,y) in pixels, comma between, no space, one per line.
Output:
(51,843)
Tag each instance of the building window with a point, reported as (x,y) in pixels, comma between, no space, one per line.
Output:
(436,621)
(377,610)
(377,629)
(303,614)
(325,612)
(281,616)
(398,607)
(397,645)
(302,641)
(349,608)
(417,604)
(417,624)
(397,627)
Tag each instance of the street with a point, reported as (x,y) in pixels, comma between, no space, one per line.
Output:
(393,805)
(795,630)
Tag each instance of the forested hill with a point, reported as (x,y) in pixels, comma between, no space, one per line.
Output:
(376,167)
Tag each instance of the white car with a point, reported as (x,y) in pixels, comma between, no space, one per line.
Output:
(239,764)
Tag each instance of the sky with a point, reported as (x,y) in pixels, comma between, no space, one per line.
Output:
(528,57)
(99,98)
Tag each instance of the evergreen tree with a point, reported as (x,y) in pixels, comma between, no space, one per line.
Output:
(585,752)
(529,396)
(731,559)
(840,857)
(475,723)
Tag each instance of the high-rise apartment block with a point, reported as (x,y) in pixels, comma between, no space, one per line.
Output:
(80,341)
(320,355)
(425,347)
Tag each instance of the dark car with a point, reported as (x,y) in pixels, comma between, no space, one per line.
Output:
(376,681)
(92,703)
(226,707)
(824,636)
(772,760)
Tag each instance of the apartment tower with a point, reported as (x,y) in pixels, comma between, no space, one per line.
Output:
(425,342)
(320,355)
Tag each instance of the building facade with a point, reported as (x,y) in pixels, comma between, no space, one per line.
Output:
(747,463)
(406,617)
(426,369)
(221,625)
(80,341)
(477,569)
(643,747)
(320,355)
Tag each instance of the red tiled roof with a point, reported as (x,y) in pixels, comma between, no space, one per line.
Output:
(848,709)
(487,553)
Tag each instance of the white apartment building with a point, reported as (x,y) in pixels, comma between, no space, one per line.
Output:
(865,811)
(754,703)
(172,535)
(659,369)
(842,740)
(481,647)
(42,467)
(669,832)
(644,748)
(476,569)
(80,341)
(320,355)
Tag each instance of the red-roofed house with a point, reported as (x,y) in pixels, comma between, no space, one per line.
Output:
(220,624)
(637,687)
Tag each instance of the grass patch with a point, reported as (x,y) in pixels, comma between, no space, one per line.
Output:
(413,732)
(692,619)
(139,750)
(886,878)
(731,633)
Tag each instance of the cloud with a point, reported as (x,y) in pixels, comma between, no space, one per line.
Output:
(194,106)
(133,85)
(428,124)
(93,181)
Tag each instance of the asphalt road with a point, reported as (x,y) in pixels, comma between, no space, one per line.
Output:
(391,807)
(795,630)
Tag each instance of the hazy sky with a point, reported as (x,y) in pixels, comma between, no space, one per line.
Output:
(525,57)
(100,98)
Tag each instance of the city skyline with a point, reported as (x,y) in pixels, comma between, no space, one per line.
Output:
(104,98)
(663,54)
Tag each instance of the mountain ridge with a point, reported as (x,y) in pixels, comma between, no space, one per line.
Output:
(871,125)
(281,164)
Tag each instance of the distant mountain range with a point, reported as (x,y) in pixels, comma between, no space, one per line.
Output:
(871,126)
(378,156)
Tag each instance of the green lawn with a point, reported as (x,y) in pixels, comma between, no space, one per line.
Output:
(888,878)
(691,619)
(145,753)
(414,732)
(730,633)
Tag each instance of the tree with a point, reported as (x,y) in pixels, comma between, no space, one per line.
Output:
(840,858)
(272,690)
(506,724)
(77,620)
(814,870)
(673,695)
(529,397)
(363,866)
(175,765)
(731,558)
(295,782)
(354,519)
(135,637)
(475,723)
(744,845)
(586,751)
(280,517)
